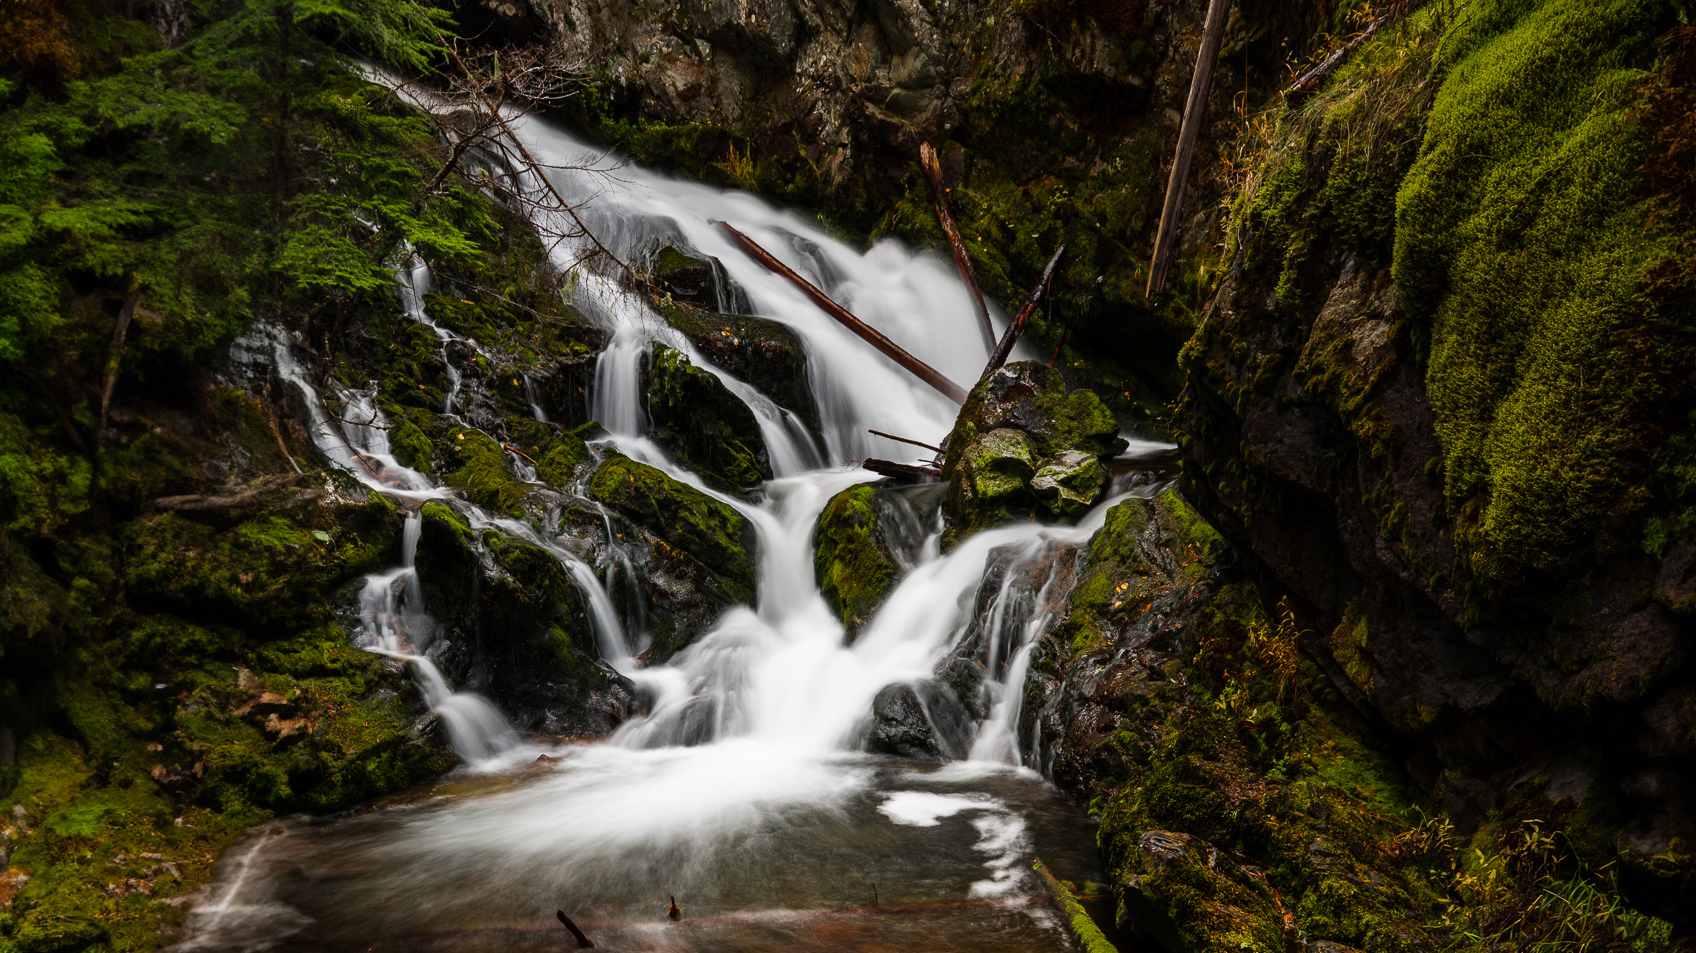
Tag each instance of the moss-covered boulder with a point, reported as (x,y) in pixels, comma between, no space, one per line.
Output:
(762,353)
(515,626)
(1017,421)
(853,560)
(477,466)
(710,532)
(699,420)
(1070,483)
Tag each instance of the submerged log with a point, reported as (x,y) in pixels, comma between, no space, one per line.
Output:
(871,335)
(1166,239)
(583,942)
(1017,327)
(901,471)
(938,194)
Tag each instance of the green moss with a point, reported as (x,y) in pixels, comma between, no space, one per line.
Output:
(1518,241)
(854,568)
(1089,936)
(477,465)
(684,517)
(709,429)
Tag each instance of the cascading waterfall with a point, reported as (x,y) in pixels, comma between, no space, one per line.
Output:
(739,790)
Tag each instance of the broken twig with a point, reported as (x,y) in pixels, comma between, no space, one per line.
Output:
(938,194)
(1166,239)
(871,335)
(903,440)
(1017,327)
(1310,80)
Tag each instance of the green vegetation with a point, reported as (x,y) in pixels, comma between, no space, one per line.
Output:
(1089,935)
(709,429)
(1519,242)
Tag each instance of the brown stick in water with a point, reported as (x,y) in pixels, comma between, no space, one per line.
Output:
(938,194)
(1017,327)
(871,335)
(583,942)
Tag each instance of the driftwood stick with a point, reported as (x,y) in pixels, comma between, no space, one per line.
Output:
(1166,239)
(904,440)
(871,335)
(939,195)
(1017,327)
(900,471)
(583,942)
(1310,80)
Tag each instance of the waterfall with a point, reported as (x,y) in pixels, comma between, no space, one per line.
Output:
(741,788)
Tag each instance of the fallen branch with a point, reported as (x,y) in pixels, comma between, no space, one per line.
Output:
(583,942)
(871,335)
(125,314)
(1310,80)
(933,173)
(508,446)
(1017,327)
(1167,238)
(904,440)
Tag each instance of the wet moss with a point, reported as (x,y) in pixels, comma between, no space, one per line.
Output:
(1528,266)
(854,567)
(477,465)
(709,429)
(706,529)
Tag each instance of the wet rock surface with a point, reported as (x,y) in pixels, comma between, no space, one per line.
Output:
(708,428)
(762,353)
(922,720)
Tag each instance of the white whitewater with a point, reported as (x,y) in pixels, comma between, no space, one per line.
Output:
(751,729)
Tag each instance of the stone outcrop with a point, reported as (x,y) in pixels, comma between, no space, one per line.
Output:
(867,537)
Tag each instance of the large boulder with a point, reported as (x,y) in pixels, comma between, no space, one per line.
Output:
(513,625)
(1017,422)
(703,424)
(922,720)
(867,537)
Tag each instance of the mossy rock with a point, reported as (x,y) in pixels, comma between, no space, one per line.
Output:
(1013,422)
(269,572)
(764,354)
(711,532)
(475,464)
(1070,483)
(855,565)
(707,427)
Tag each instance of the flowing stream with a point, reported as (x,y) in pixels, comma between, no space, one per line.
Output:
(743,792)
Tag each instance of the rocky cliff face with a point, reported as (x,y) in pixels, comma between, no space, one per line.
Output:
(1422,402)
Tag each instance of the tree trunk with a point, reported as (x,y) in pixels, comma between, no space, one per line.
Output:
(1218,12)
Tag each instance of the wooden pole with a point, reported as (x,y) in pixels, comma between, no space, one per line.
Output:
(871,335)
(1017,327)
(1218,12)
(933,173)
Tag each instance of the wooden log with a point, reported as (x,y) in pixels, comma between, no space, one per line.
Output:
(1017,327)
(583,942)
(900,471)
(1218,12)
(903,440)
(871,335)
(939,195)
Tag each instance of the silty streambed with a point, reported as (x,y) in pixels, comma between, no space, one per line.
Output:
(741,793)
